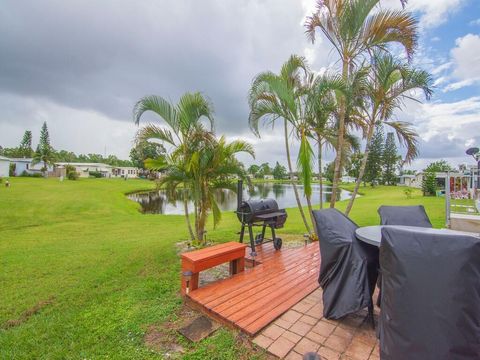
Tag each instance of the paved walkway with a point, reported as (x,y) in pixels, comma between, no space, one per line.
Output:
(303,329)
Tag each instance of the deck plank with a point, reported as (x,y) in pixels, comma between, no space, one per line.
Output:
(254,298)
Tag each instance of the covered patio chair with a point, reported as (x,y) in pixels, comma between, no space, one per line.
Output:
(404,215)
(348,267)
(430,296)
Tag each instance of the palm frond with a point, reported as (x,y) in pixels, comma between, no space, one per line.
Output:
(407,137)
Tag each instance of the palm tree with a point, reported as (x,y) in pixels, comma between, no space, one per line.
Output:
(273,97)
(44,154)
(209,169)
(320,109)
(355,29)
(185,128)
(214,168)
(391,83)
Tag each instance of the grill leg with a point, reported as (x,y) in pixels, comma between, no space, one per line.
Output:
(252,240)
(273,232)
(263,231)
(242,232)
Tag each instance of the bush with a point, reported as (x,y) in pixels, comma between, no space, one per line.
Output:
(408,192)
(71,172)
(34,175)
(429,184)
(95,174)
(12,168)
(72,175)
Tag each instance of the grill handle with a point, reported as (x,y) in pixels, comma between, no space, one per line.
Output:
(239,193)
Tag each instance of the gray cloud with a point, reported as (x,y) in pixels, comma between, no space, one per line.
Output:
(103,56)
(81,65)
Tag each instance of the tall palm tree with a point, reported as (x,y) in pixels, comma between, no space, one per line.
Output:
(355,28)
(391,83)
(185,128)
(275,97)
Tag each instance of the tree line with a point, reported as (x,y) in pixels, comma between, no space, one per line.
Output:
(47,155)
(279,172)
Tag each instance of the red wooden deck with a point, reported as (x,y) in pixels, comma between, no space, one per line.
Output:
(254,298)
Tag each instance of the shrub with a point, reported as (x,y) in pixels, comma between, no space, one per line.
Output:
(429,184)
(11,169)
(72,175)
(408,192)
(71,172)
(34,175)
(95,174)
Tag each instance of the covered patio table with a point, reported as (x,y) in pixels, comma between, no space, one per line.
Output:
(373,234)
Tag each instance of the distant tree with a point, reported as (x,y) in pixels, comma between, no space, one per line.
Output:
(279,172)
(66,156)
(390,160)
(329,170)
(429,183)
(44,152)
(373,169)
(144,150)
(265,169)
(439,166)
(44,136)
(26,144)
(353,166)
(408,172)
(11,152)
(253,170)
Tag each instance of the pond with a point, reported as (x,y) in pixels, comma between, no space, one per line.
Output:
(157,202)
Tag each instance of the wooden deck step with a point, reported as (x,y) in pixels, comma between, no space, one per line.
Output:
(253,299)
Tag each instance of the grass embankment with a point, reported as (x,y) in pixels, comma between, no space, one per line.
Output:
(84,274)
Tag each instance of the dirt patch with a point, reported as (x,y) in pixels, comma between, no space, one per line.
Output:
(163,338)
(163,341)
(27,314)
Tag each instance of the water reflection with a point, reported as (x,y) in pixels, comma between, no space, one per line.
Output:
(157,202)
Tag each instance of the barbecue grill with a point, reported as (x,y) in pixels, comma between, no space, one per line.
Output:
(262,213)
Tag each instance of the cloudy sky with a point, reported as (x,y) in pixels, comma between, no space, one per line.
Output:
(81,65)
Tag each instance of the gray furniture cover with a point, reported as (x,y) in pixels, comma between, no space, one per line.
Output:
(404,215)
(348,267)
(430,296)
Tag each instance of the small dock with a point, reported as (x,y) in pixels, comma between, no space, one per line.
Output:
(257,296)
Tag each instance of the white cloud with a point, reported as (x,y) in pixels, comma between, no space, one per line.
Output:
(466,57)
(433,12)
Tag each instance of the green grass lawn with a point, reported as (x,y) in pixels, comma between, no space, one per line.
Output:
(83,274)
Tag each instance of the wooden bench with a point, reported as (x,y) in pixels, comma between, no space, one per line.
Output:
(195,261)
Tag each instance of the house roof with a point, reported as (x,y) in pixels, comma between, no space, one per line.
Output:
(84,164)
(4,158)
(408,176)
(27,160)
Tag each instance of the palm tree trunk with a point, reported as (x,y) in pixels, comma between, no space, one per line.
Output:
(187,216)
(310,210)
(195,205)
(295,190)
(361,172)
(341,135)
(320,172)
